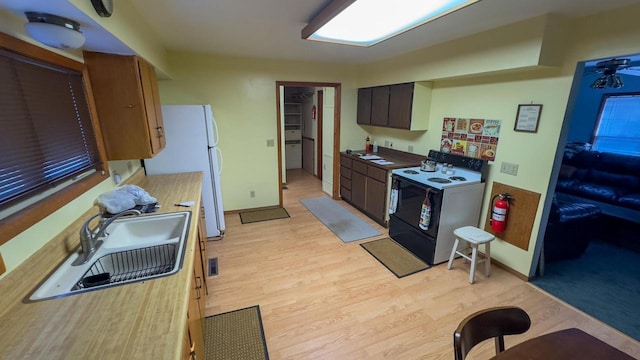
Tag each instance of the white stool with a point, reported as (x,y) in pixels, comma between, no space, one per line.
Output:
(474,237)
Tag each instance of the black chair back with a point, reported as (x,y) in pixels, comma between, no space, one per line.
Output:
(486,324)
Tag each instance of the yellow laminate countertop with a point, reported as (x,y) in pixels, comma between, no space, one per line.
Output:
(144,320)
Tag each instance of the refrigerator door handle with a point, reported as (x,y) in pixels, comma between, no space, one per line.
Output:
(219,155)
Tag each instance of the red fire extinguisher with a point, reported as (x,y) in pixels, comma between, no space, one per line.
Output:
(500,212)
(313,112)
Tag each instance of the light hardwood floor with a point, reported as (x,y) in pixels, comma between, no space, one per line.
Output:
(323,299)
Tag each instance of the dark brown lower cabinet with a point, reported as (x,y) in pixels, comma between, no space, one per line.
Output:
(365,187)
(376,199)
(358,190)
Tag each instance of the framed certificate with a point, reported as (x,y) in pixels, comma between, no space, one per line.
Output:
(528,118)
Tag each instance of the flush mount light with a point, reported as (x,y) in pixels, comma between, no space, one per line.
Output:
(54,30)
(368,22)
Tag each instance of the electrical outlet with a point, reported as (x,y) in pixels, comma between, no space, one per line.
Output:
(252,193)
(410,148)
(270,143)
(386,143)
(130,166)
(509,168)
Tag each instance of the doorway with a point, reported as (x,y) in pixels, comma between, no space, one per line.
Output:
(319,142)
(598,278)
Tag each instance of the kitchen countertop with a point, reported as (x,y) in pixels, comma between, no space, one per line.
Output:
(400,159)
(144,320)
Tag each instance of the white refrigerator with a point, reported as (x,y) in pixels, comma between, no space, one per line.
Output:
(192,137)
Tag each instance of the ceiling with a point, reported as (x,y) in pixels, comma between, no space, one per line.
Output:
(271,28)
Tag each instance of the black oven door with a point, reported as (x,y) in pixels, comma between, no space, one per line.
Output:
(410,198)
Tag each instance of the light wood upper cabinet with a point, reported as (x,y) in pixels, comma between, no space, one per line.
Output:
(127,100)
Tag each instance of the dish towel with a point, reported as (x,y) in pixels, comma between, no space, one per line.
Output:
(123,198)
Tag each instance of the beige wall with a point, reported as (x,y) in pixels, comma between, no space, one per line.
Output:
(242,93)
(489,74)
(495,94)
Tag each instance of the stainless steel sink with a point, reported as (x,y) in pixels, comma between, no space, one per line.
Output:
(134,249)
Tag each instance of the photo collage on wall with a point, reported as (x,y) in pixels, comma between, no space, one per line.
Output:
(476,138)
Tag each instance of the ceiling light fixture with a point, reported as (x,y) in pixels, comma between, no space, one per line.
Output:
(368,22)
(54,30)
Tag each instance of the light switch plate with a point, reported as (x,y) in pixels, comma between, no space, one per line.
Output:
(509,168)
(270,143)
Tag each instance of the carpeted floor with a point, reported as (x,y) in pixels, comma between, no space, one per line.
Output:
(339,220)
(235,335)
(603,282)
(394,257)
(247,217)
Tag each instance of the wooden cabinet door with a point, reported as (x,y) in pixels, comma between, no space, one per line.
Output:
(380,106)
(358,190)
(151,98)
(400,103)
(364,106)
(196,308)
(127,101)
(376,199)
(202,246)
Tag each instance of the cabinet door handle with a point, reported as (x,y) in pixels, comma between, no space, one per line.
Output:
(192,354)
(198,287)
(159,128)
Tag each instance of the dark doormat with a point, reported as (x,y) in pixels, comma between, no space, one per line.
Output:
(235,335)
(394,257)
(247,217)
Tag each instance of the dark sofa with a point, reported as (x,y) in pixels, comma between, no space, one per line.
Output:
(610,181)
(570,227)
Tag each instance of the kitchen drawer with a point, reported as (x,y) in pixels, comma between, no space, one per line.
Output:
(345,161)
(292,135)
(377,173)
(360,167)
(345,193)
(345,182)
(345,172)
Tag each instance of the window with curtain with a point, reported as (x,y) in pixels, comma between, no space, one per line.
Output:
(618,127)
(47,134)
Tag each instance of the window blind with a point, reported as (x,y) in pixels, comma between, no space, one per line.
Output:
(47,135)
(618,129)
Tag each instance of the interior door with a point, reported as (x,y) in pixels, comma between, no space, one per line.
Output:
(328,112)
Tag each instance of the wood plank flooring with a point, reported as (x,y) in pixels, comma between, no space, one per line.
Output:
(323,299)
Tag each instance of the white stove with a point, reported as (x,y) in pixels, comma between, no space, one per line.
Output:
(438,180)
(456,201)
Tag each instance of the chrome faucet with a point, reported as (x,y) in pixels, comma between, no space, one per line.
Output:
(89,237)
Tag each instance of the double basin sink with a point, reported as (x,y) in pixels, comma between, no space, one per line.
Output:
(134,249)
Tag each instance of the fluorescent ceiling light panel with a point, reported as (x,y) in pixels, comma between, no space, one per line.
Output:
(368,22)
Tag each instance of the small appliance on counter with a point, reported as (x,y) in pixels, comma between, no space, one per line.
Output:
(455,201)
(428,165)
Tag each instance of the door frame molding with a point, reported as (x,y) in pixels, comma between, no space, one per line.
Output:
(336,131)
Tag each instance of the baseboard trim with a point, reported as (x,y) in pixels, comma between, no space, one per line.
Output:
(231,212)
(510,270)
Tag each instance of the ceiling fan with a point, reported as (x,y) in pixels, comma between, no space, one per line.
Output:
(610,70)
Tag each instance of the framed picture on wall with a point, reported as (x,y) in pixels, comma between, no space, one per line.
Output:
(528,117)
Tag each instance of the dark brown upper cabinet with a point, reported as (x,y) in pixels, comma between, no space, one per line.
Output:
(364,106)
(400,106)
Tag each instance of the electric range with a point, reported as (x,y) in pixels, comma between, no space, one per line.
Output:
(456,201)
(438,180)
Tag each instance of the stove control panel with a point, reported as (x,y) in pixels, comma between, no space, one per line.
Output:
(458,161)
